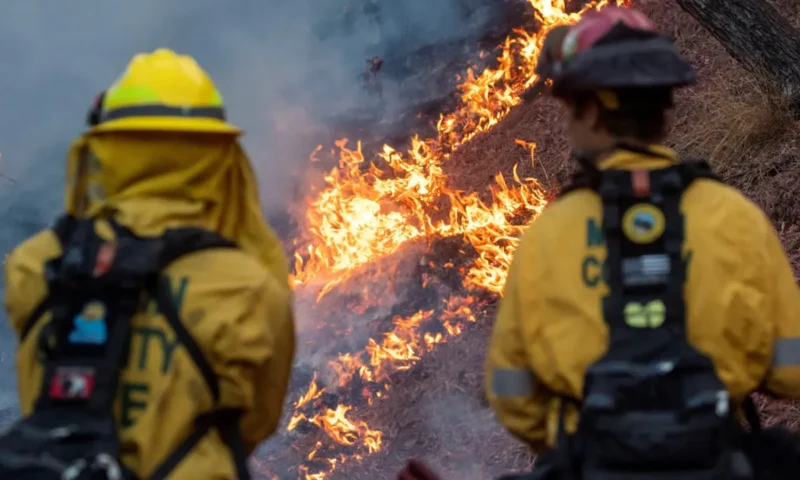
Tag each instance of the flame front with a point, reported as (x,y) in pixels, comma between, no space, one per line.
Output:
(369,210)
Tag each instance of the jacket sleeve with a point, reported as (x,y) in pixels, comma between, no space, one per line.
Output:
(520,403)
(783,309)
(275,259)
(256,360)
(272,381)
(25,286)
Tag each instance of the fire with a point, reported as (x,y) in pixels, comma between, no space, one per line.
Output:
(369,210)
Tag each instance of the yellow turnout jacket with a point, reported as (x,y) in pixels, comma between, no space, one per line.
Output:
(743,306)
(236,303)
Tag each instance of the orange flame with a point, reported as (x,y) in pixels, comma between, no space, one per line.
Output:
(369,210)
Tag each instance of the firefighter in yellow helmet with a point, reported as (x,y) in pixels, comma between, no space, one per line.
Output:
(646,304)
(155,321)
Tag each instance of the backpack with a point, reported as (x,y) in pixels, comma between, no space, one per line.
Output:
(652,406)
(95,289)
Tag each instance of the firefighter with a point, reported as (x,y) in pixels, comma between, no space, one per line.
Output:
(647,303)
(161,181)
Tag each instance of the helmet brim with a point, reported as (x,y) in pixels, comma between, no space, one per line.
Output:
(168,124)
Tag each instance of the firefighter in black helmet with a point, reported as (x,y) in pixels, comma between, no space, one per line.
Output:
(648,302)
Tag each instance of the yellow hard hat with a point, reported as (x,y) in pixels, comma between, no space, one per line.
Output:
(163,91)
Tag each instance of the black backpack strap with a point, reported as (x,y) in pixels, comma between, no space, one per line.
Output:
(751,414)
(83,281)
(618,191)
(580,180)
(159,290)
(646,269)
(588,175)
(43,307)
(185,240)
(62,229)
(136,265)
(177,243)
(227,424)
(694,169)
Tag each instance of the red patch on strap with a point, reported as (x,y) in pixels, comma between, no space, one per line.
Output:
(105,258)
(72,383)
(641,183)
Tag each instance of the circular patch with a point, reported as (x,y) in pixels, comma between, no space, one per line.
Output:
(643,223)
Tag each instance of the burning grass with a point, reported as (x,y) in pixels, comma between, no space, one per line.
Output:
(408,379)
(432,308)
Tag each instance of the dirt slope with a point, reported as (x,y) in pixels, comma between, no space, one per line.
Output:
(438,411)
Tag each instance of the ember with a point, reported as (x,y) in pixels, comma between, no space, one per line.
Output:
(369,212)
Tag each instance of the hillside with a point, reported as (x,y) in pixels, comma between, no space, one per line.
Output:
(730,118)
(434,406)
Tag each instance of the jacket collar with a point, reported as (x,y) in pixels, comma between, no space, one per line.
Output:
(629,158)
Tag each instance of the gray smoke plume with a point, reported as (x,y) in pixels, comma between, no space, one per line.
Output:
(285,67)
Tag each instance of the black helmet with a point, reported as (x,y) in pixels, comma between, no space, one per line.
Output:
(610,49)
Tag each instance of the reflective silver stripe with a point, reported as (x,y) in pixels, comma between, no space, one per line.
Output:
(512,382)
(786,352)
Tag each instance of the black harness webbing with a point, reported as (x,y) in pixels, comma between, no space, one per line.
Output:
(650,371)
(644,232)
(88,271)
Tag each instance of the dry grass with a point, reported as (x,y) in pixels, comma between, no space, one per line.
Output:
(745,129)
(779,412)
(730,117)
(748,116)
(477,162)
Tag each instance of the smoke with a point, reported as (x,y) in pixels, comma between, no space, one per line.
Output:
(285,68)
(289,71)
